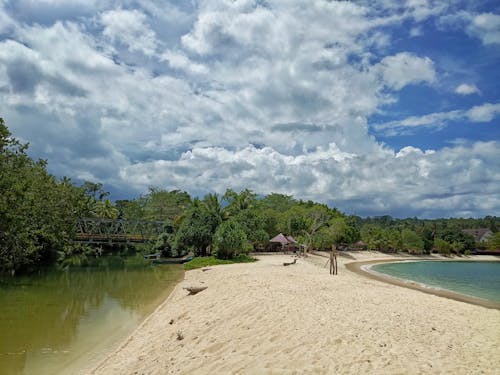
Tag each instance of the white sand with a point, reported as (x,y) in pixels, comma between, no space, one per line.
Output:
(264,318)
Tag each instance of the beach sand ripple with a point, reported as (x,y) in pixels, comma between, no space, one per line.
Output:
(263,318)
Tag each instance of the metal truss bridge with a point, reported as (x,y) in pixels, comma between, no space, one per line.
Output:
(109,231)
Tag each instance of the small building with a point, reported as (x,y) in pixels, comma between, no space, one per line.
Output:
(284,243)
(481,235)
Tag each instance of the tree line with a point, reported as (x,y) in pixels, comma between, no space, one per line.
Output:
(38,216)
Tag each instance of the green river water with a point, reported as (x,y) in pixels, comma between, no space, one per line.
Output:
(61,321)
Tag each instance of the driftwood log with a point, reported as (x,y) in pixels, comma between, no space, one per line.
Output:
(195,289)
(290,263)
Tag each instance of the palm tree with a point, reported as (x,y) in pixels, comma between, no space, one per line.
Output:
(105,209)
(238,202)
(213,205)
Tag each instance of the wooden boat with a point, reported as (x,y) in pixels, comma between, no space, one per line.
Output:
(172,260)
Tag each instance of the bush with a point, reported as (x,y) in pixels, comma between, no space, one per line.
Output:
(230,240)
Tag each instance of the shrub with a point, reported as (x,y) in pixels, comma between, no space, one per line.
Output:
(230,240)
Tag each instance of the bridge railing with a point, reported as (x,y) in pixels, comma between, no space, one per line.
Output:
(97,230)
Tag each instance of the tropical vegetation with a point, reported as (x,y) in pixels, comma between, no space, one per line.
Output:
(39,214)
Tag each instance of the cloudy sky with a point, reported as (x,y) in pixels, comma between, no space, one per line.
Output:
(374,107)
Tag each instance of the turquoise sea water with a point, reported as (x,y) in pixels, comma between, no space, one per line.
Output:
(478,279)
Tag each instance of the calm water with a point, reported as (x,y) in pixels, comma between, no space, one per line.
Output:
(479,279)
(61,321)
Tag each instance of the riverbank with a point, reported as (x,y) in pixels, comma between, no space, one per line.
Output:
(266,318)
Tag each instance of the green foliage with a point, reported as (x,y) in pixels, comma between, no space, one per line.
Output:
(230,240)
(442,246)
(196,231)
(37,213)
(494,242)
(381,239)
(412,242)
(38,216)
(277,202)
(237,202)
(160,205)
(253,224)
(105,209)
(200,262)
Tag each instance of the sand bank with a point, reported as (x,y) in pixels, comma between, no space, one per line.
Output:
(264,318)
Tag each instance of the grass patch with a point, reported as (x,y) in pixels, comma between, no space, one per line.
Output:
(200,262)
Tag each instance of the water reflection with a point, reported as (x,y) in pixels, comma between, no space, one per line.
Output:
(47,320)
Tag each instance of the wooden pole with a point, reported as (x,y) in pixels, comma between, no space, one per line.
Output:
(333,260)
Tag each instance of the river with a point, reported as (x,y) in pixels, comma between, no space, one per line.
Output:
(61,321)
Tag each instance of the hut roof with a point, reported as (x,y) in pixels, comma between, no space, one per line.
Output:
(291,239)
(280,238)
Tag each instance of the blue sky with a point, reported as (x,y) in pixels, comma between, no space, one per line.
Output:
(374,107)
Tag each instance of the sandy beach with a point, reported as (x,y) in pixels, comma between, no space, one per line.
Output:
(264,318)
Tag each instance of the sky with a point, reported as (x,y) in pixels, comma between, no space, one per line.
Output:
(374,107)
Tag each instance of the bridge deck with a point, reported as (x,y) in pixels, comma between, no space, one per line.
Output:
(96,230)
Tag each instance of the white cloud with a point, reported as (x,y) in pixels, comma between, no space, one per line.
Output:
(129,27)
(237,94)
(416,31)
(483,113)
(179,60)
(6,22)
(485,26)
(387,180)
(420,10)
(405,68)
(406,125)
(465,89)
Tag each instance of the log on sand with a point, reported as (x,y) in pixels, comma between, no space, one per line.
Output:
(195,289)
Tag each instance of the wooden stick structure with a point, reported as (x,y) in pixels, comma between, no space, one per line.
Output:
(333,261)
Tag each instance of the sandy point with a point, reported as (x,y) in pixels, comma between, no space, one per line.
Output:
(264,318)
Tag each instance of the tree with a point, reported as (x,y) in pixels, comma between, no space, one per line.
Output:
(412,241)
(277,202)
(237,202)
(494,241)
(38,214)
(165,243)
(230,240)
(105,209)
(442,246)
(161,205)
(253,223)
(213,205)
(195,231)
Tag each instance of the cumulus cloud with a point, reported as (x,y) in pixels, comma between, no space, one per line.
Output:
(178,60)
(485,26)
(483,113)
(129,27)
(465,89)
(387,180)
(238,94)
(405,68)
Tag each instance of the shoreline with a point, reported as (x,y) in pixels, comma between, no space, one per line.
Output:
(123,344)
(364,268)
(265,318)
